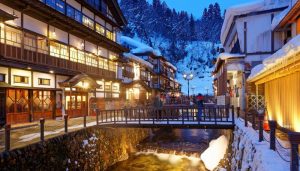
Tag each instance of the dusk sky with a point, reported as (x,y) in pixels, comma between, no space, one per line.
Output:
(196,6)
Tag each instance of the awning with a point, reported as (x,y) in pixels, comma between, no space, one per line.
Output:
(4,16)
(81,81)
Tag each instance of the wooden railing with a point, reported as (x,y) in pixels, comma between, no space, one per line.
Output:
(37,58)
(212,115)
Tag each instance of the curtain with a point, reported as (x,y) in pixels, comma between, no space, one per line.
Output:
(282,97)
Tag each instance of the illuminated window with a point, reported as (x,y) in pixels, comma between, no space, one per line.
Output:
(42,46)
(101,63)
(64,53)
(112,56)
(21,79)
(105,65)
(13,37)
(73,55)
(29,42)
(91,60)
(81,57)
(100,29)
(112,66)
(43,81)
(110,35)
(88,22)
(59,50)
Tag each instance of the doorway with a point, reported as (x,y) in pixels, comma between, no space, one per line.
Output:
(76,104)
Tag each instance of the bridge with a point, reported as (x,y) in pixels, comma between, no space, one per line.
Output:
(208,117)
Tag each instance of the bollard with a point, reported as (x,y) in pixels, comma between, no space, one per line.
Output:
(97,116)
(66,123)
(84,121)
(7,137)
(42,129)
(273,125)
(261,118)
(238,111)
(294,138)
(232,110)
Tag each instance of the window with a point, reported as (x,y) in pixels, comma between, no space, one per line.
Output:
(64,53)
(91,60)
(74,13)
(30,42)
(88,22)
(112,66)
(58,5)
(13,37)
(2,77)
(101,63)
(81,57)
(112,56)
(42,46)
(110,35)
(105,64)
(43,81)
(73,55)
(59,50)
(100,29)
(21,79)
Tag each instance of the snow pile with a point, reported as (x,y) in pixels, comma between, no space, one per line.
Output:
(215,152)
(246,8)
(139,46)
(286,52)
(171,65)
(249,154)
(139,60)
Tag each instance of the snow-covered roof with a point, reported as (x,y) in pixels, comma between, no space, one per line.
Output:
(171,65)
(286,52)
(139,46)
(278,18)
(259,5)
(225,55)
(139,60)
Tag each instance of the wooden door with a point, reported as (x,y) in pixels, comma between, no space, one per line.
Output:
(43,102)
(76,104)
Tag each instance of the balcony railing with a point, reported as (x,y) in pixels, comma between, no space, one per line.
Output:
(37,58)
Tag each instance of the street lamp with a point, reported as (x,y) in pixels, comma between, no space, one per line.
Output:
(188,77)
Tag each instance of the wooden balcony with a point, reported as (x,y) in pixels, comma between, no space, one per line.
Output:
(45,60)
(128,74)
(143,78)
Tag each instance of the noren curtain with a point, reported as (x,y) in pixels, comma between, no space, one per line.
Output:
(282,97)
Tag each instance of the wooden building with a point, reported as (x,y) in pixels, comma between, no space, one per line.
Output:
(278,77)
(56,56)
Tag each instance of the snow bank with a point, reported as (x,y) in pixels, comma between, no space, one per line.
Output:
(139,60)
(171,65)
(215,152)
(249,154)
(139,46)
(287,51)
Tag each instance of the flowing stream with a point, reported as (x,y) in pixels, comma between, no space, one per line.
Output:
(170,150)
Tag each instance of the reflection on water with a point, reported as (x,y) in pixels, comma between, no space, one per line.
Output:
(170,150)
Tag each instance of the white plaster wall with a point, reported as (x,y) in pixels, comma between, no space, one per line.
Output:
(74,4)
(16,22)
(35,25)
(100,20)
(20,72)
(90,47)
(60,78)
(61,36)
(4,70)
(88,13)
(37,75)
(75,41)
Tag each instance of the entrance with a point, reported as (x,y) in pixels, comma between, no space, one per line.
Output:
(43,102)
(76,104)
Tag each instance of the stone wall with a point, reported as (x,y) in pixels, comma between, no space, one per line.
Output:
(93,148)
(248,154)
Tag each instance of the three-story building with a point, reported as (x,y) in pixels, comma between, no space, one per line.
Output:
(56,56)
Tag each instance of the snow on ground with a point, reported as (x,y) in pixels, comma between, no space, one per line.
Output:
(215,152)
(248,153)
(286,52)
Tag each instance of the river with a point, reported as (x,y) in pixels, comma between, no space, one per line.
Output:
(170,150)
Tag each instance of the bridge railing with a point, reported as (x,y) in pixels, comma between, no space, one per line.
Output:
(168,115)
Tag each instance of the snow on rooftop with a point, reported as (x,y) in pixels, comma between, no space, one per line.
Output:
(278,18)
(171,65)
(246,8)
(139,60)
(225,56)
(139,46)
(287,51)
